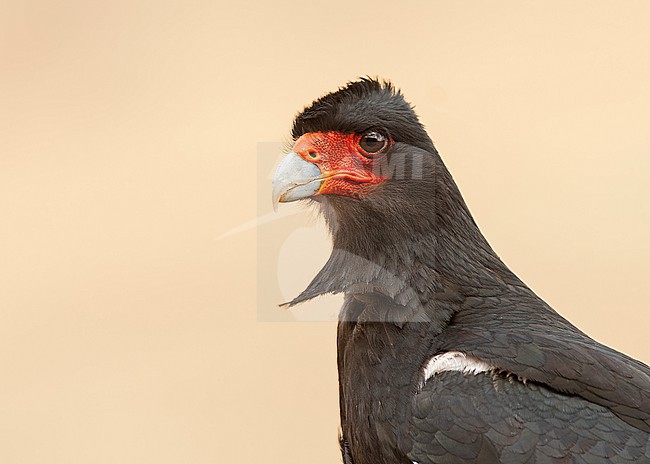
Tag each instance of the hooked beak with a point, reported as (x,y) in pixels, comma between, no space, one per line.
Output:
(295,179)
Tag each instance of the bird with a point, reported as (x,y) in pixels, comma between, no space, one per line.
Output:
(444,355)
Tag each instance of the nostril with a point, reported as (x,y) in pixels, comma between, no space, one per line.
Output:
(312,154)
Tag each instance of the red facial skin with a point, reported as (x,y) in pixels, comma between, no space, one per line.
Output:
(346,167)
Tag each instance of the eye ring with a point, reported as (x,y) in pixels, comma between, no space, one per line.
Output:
(373,142)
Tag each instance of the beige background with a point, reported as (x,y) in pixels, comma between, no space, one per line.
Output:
(129,142)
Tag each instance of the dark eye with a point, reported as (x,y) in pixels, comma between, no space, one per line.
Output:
(373,142)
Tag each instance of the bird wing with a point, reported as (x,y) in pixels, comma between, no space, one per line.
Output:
(460,418)
(536,344)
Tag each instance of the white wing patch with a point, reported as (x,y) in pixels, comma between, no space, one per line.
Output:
(455,361)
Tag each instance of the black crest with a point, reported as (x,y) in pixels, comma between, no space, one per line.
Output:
(362,105)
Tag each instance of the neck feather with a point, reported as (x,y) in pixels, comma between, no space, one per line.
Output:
(410,242)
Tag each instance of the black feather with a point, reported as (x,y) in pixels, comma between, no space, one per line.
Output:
(362,105)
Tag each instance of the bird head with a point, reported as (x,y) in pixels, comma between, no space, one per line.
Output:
(352,143)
